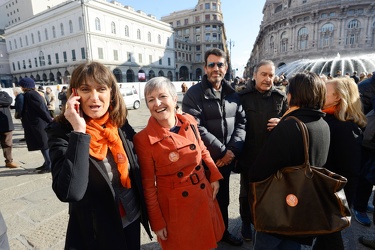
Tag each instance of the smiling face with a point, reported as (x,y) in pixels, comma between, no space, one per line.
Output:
(162,106)
(264,77)
(95,98)
(215,69)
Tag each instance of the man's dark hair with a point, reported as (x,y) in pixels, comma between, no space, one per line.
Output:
(216,52)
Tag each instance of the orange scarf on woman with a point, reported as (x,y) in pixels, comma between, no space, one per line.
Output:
(330,110)
(103,136)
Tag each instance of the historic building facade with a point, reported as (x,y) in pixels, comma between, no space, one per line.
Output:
(299,29)
(48,46)
(196,31)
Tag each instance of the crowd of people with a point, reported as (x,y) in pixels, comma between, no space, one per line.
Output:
(173,177)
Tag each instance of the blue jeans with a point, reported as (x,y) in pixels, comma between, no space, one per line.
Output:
(264,241)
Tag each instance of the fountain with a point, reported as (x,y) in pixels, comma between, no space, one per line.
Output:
(364,63)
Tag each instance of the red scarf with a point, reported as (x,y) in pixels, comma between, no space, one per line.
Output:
(103,136)
(330,110)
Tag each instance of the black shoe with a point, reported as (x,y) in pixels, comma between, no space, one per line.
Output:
(232,240)
(44,171)
(367,242)
(39,168)
(246,232)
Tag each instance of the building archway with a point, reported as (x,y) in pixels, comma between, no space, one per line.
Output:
(161,73)
(51,77)
(151,74)
(183,73)
(118,74)
(130,75)
(170,75)
(198,74)
(58,75)
(141,75)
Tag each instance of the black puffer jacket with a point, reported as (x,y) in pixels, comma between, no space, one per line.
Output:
(221,122)
(259,108)
(367,92)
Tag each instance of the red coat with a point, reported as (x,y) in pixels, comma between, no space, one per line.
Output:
(178,195)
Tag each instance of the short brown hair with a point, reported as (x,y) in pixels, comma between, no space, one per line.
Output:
(216,52)
(307,90)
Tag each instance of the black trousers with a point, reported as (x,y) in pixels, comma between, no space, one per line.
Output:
(223,194)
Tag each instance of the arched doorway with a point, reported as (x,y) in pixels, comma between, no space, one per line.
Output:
(151,74)
(161,73)
(118,74)
(51,77)
(170,75)
(141,75)
(198,74)
(184,73)
(58,75)
(66,77)
(37,78)
(130,75)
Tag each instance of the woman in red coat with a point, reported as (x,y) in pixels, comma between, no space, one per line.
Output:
(181,201)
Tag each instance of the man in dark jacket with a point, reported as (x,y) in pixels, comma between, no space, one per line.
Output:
(35,117)
(264,104)
(221,122)
(6,128)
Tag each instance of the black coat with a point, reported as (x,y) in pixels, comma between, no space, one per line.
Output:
(35,118)
(345,149)
(259,108)
(221,122)
(95,221)
(6,122)
(366,90)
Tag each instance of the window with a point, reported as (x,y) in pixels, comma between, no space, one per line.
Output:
(15,43)
(115,55)
(46,34)
(97,24)
(36,62)
(83,53)
(207,6)
(21,44)
(62,29)
(129,56)
(113,28)
(139,34)
(42,61)
(186,21)
(214,37)
(197,19)
(159,39)
(49,59)
(65,57)
(197,38)
(70,26)
(167,41)
(178,23)
(27,41)
(208,37)
(100,53)
(10,45)
(353,32)
(80,23)
(207,17)
(214,17)
(127,30)
(57,58)
(160,61)
(53,32)
(214,6)
(150,59)
(326,35)
(39,37)
(302,38)
(149,36)
(283,42)
(197,29)
(169,61)
(32,38)
(198,48)
(74,55)
(140,58)
(30,66)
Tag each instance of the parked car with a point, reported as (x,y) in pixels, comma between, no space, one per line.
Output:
(131,97)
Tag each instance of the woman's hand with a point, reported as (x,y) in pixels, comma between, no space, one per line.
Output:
(272,123)
(75,119)
(162,234)
(215,189)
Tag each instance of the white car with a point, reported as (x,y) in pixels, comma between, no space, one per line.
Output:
(131,98)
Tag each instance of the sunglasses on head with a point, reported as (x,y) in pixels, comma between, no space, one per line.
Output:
(212,64)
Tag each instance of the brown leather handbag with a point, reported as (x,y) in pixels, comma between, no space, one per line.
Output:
(300,200)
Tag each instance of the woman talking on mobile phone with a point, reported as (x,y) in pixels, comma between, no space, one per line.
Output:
(94,166)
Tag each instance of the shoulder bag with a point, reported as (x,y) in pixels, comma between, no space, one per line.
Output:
(300,200)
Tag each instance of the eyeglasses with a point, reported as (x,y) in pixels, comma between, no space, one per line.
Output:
(212,64)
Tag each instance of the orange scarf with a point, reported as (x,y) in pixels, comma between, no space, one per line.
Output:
(330,110)
(104,137)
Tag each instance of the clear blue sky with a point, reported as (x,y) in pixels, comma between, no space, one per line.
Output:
(241,18)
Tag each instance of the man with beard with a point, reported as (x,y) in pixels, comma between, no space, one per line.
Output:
(221,122)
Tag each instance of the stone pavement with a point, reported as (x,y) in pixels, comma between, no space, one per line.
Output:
(36,219)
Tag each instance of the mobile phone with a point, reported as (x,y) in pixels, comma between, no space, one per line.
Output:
(76,106)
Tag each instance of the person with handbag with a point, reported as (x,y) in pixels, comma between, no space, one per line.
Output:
(94,166)
(346,121)
(180,198)
(284,147)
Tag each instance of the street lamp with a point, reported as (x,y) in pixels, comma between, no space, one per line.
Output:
(230,44)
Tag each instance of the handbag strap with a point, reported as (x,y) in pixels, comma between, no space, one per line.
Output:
(305,137)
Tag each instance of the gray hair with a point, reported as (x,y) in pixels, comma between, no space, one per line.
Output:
(262,63)
(17,90)
(159,83)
